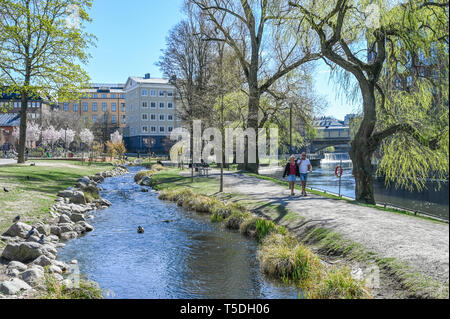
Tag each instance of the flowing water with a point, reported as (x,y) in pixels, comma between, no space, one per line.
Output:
(187,258)
(432,201)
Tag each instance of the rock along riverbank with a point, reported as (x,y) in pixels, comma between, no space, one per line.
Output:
(32,250)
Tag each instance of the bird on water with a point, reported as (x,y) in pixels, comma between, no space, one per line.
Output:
(140,230)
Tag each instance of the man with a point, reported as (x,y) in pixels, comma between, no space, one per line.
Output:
(305,167)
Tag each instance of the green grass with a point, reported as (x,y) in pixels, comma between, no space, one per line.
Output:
(326,241)
(85,290)
(31,198)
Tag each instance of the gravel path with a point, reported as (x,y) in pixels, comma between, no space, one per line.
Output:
(421,243)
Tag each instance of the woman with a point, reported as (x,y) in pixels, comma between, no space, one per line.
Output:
(292,171)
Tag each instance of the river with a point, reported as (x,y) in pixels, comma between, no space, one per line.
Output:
(432,201)
(186,259)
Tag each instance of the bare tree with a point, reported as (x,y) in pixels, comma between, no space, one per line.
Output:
(262,45)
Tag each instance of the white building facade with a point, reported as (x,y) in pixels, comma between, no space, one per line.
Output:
(151,114)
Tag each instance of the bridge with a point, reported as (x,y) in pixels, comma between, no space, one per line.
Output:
(330,136)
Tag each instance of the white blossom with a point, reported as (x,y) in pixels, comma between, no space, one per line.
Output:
(87,137)
(67,136)
(33,133)
(50,136)
(116,138)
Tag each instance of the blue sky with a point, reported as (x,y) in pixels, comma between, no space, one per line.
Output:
(132,33)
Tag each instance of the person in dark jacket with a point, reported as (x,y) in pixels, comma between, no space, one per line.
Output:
(292,172)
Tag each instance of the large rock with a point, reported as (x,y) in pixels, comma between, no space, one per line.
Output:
(68,236)
(17,265)
(78,198)
(66,193)
(13,286)
(43,261)
(27,252)
(18,229)
(43,228)
(64,219)
(34,277)
(77,218)
(85,180)
(86,226)
(64,228)
(55,230)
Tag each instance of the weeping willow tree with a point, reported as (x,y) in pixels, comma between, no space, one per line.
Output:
(397,54)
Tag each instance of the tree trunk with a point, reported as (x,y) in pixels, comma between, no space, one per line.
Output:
(362,170)
(23,129)
(252,123)
(362,149)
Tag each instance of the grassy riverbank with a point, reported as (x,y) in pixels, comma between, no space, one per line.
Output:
(33,189)
(397,277)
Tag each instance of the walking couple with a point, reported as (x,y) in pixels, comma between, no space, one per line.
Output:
(299,168)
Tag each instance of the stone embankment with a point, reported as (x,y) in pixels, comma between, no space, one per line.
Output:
(31,251)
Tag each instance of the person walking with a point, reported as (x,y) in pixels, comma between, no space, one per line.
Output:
(292,172)
(305,167)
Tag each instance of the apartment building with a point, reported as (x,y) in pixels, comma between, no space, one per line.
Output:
(150,113)
(36,111)
(102,107)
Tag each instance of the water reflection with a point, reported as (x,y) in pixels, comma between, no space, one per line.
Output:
(432,201)
(189,258)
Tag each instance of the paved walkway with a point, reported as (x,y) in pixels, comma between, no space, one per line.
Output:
(422,243)
(7,161)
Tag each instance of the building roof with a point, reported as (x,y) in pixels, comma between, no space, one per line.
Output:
(149,81)
(328,122)
(10,120)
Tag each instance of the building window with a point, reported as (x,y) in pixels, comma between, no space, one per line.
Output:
(170,105)
(145,129)
(161,93)
(122,96)
(105,118)
(162,129)
(104,96)
(153,105)
(94,107)
(113,107)
(94,118)
(144,104)
(94,96)
(114,119)
(124,119)
(66,106)
(75,107)
(153,129)
(144,93)
(104,107)
(113,96)
(161,105)
(170,117)
(145,117)
(122,107)
(85,107)
(153,93)
(170,129)
(161,117)
(169,93)
(153,117)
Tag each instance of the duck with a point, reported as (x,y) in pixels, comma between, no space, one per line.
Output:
(16,219)
(140,230)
